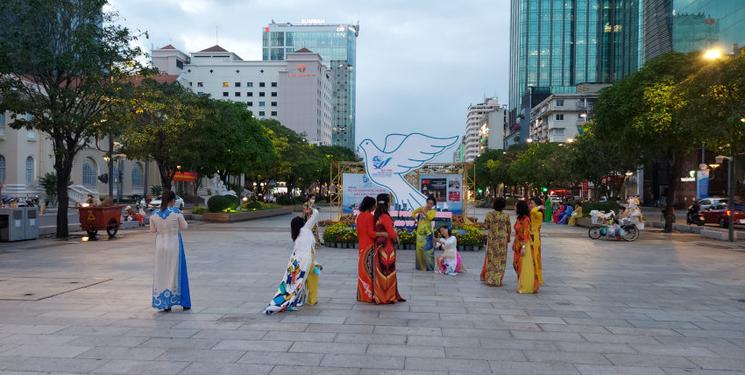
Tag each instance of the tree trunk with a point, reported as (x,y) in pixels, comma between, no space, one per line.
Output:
(165,175)
(674,173)
(63,168)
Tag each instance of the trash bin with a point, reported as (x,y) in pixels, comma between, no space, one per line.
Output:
(14,229)
(31,221)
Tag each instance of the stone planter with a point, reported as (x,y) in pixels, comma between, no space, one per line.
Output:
(224,217)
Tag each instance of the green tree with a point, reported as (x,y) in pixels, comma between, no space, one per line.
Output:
(61,65)
(164,127)
(644,114)
(231,141)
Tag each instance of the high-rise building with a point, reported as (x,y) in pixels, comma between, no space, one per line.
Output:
(337,45)
(692,25)
(295,91)
(477,127)
(556,45)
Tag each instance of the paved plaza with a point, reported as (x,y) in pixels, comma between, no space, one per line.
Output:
(661,305)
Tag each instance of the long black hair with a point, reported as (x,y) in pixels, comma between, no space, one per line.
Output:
(499,203)
(432,198)
(295,226)
(538,201)
(384,201)
(166,198)
(522,209)
(367,204)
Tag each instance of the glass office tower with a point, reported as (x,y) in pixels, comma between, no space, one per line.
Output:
(557,44)
(693,25)
(337,46)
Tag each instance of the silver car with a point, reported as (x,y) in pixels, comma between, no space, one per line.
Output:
(155,203)
(707,203)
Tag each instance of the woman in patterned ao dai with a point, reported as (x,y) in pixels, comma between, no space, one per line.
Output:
(497,240)
(292,290)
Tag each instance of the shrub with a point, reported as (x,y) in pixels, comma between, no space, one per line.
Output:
(220,203)
(339,232)
(199,210)
(156,190)
(470,235)
(406,237)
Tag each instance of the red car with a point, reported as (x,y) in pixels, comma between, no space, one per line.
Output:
(720,215)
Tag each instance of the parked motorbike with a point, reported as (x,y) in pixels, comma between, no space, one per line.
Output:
(694,215)
(625,230)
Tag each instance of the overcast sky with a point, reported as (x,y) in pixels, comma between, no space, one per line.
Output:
(420,63)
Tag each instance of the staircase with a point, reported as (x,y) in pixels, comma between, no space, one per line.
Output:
(79,194)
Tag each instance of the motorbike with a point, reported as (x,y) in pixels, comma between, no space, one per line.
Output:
(625,230)
(694,215)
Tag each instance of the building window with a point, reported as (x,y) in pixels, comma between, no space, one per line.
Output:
(190,84)
(249,84)
(274,94)
(29,171)
(225,93)
(250,104)
(226,84)
(274,104)
(250,93)
(179,64)
(560,102)
(274,84)
(200,84)
(560,117)
(2,168)
(137,180)
(274,113)
(262,113)
(262,104)
(262,94)
(237,84)
(262,84)
(237,93)
(89,173)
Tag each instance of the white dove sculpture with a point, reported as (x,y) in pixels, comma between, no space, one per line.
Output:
(401,154)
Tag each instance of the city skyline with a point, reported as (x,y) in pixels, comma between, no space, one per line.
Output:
(418,63)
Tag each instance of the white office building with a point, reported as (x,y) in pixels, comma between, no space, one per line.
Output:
(295,91)
(477,127)
(559,117)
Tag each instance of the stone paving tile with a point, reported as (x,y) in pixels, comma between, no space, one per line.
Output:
(179,343)
(402,372)
(305,370)
(547,336)
(200,368)
(618,370)
(370,339)
(140,354)
(406,351)
(568,357)
(736,364)
(253,345)
(299,336)
(572,328)
(444,341)
(108,341)
(365,361)
(532,368)
(329,347)
(49,364)
(437,364)
(618,339)
(341,329)
(650,360)
(485,353)
(678,371)
(278,358)
(198,355)
(140,367)
(412,331)
(678,350)
(48,351)
(586,347)
(502,344)
(23,339)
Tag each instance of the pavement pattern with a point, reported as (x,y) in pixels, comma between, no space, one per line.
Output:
(662,305)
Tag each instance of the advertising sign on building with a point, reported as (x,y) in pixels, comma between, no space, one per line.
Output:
(356,186)
(446,188)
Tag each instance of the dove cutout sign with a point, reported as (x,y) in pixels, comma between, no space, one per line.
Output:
(401,154)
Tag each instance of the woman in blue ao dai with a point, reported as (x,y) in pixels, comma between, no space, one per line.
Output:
(170,279)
